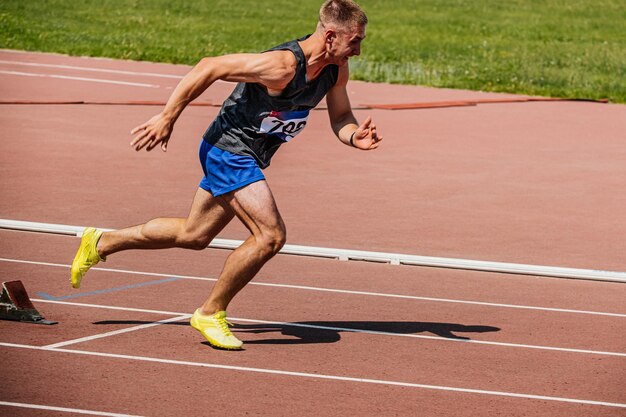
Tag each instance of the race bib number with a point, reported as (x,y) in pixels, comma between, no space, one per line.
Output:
(286,124)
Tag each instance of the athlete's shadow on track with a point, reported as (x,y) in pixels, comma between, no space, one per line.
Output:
(330,331)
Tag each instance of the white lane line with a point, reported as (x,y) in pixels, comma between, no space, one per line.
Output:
(65,77)
(116,332)
(105,70)
(441,300)
(320,376)
(91,69)
(342,329)
(331,290)
(64,409)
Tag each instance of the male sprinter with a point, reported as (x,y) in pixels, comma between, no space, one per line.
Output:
(269,106)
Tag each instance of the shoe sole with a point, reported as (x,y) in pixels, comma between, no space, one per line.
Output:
(77,276)
(75,282)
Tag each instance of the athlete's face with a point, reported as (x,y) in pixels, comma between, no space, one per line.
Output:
(347,43)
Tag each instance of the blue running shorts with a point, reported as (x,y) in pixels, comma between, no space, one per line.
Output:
(225,171)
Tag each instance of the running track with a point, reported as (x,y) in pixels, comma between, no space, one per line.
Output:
(536,183)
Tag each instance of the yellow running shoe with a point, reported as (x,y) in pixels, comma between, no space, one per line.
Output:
(215,329)
(87,255)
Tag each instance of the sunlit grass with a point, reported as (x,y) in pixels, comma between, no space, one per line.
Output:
(562,48)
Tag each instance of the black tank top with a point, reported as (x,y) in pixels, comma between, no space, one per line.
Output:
(251,122)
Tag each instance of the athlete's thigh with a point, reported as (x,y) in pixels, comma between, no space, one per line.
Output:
(255,206)
(208,215)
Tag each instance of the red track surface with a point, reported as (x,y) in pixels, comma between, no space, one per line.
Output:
(536,182)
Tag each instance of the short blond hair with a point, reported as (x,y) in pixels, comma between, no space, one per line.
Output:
(342,13)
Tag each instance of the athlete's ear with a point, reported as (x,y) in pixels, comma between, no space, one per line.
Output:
(329,36)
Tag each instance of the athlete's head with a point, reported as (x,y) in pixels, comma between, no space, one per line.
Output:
(344,13)
(342,23)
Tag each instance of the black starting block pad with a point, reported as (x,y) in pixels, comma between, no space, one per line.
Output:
(16,305)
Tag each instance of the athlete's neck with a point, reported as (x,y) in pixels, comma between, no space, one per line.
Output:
(314,48)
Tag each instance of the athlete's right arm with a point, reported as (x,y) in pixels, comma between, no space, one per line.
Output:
(273,69)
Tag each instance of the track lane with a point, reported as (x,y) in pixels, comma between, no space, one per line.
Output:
(452,164)
(253,393)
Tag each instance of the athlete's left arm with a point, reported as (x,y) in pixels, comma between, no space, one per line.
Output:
(342,119)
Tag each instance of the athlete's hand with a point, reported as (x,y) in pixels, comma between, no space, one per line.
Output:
(365,136)
(155,131)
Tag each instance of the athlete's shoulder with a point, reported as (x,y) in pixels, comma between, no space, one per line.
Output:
(277,66)
(281,58)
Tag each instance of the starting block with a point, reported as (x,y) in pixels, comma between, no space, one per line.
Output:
(16,305)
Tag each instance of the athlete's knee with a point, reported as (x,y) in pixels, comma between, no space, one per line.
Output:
(273,240)
(279,240)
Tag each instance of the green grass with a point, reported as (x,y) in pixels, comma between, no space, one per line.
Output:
(559,48)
